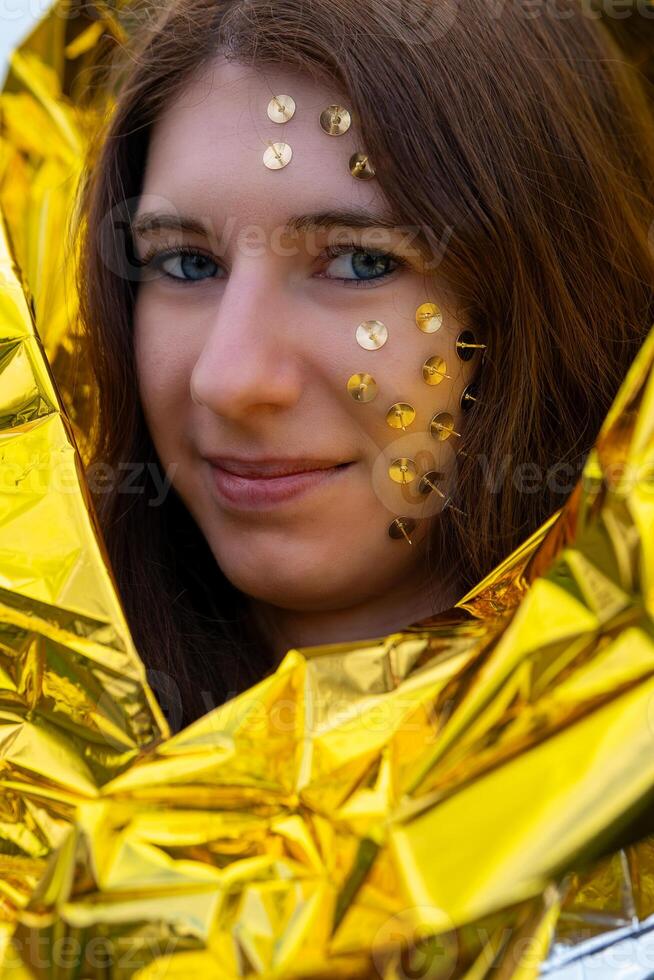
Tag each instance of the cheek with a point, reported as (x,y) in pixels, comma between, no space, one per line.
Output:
(164,357)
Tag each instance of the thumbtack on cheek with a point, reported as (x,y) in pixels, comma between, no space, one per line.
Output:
(469,397)
(428,483)
(466,345)
(403,470)
(371,334)
(429,318)
(402,528)
(441,426)
(400,415)
(434,370)
(362,387)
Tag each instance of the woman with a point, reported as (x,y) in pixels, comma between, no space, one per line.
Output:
(491,166)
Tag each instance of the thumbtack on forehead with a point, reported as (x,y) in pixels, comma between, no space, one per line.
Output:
(402,528)
(277,155)
(434,370)
(335,120)
(362,387)
(371,334)
(441,426)
(429,317)
(428,483)
(281,108)
(466,345)
(361,167)
(400,415)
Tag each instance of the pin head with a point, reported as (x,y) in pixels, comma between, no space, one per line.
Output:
(469,397)
(428,483)
(361,167)
(429,318)
(277,155)
(466,345)
(441,426)
(434,370)
(403,470)
(281,108)
(371,334)
(400,415)
(335,120)
(362,387)
(402,528)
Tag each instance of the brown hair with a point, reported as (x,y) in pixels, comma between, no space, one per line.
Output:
(525,142)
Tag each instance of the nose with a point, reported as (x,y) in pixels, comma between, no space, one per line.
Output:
(249,361)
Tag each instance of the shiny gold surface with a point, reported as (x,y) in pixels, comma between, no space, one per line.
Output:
(441,426)
(469,780)
(400,415)
(434,370)
(362,387)
(277,156)
(371,334)
(403,470)
(281,108)
(361,166)
(429,317)
(335,120)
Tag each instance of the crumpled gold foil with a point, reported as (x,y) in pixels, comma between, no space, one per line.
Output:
(445,801)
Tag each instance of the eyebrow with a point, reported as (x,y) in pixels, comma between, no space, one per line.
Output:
(353,218)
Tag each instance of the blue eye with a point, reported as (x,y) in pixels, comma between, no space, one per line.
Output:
(368,265)
(195,265)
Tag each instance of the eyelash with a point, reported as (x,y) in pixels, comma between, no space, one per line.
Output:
(331,252)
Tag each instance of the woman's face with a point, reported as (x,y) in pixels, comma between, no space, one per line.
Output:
(245,346)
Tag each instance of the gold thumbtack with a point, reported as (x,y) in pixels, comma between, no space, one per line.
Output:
(403,470)
(277,155)
(429,318)
(469,397)
(335,120)
(371,334)
(362,387)
(400,415)
(434,370)
(402,528)
(428,483)
(466,345)
(281,108)
(361,167)
(441,426)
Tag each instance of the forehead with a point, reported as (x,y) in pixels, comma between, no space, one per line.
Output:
(206,149)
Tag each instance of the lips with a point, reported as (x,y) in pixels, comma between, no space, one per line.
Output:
(263,469)
(256,491)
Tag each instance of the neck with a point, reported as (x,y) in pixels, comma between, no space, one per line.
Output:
(284,629)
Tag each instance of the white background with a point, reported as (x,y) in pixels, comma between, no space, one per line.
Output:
(17,18)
